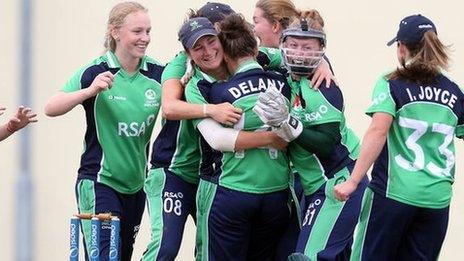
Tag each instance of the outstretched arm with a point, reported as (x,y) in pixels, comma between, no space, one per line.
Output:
(372,144)
(23,117)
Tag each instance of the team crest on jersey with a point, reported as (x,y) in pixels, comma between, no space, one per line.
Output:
(150,100)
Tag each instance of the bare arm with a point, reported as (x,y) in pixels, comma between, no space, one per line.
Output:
(174,108)
(372,144)
(63,102)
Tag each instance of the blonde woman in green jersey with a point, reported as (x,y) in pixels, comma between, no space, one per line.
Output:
(121,95)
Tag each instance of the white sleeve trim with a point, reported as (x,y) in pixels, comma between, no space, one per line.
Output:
(218,137)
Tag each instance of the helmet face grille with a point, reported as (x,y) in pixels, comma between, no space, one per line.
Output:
(298,61)
(301,62)
(300,33)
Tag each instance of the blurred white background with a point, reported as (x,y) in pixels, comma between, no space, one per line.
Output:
(68,34)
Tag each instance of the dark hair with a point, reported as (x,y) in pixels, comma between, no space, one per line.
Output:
(237,37)
(428,58)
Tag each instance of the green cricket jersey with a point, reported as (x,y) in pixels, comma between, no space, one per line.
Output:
(261,170)
(315,107)
(417,163)
(119,121)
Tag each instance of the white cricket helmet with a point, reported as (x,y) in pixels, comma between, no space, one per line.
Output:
(298,61)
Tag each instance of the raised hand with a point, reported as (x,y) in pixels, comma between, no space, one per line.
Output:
(102,82)
(23,117)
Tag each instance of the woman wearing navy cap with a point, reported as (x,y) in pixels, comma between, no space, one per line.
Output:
(405,208)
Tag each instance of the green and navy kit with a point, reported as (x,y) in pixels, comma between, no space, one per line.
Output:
(177,148)
(314,107)
(268,58)
(120,121)
(261,170)
(417,163)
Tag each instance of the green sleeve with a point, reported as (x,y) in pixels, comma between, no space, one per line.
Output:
(194,95)
(322,106)
(270,58)
(74,84)
(320,139)
(382,100)
(175,69)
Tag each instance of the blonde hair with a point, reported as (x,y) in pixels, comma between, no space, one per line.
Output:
(428,58)
(116,19)
(281,11)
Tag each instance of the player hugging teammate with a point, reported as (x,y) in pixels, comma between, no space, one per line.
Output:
(239,120)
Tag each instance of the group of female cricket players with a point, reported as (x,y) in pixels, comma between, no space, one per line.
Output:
(254,143)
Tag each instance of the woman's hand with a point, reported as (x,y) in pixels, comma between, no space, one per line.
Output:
(322,73)
(343,190)
(23,117)
(224,113)
(102,82)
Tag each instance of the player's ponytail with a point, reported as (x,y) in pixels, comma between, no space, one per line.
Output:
(314,18)
(237,37)
(429,57)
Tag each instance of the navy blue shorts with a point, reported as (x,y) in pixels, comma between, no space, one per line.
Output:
(328,224)
(391,230)
(234,225)
(93,197)
(170,201)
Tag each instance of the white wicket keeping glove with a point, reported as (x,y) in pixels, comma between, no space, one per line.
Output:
(290,129)
(271,107)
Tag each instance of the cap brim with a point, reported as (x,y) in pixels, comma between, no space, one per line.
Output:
(197,35)
(392,41)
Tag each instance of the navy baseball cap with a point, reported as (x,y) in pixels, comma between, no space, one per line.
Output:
(412,29)
(215,12)
(194,29)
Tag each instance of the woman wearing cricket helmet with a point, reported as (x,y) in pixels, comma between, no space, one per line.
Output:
(325,151)
(405,209)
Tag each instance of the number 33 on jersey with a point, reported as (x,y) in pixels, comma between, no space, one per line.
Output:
(419,149)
